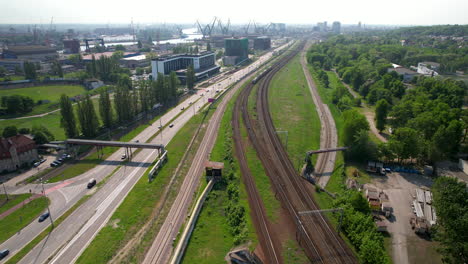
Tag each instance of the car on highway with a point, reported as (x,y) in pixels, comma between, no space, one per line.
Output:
(171,125)
(124,156)
(182,109)
(159,127)
(137,141)
(4,253)
(91,183)
(43,217)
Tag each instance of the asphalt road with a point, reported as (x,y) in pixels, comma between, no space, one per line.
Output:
(162,246)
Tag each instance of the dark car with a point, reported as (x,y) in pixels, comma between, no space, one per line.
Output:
(4,253)
(171,125)
(55,164)
(91,183)
(43,217)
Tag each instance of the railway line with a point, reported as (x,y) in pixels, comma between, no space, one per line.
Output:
(320,242)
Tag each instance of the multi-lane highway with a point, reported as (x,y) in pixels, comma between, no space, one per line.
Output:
(67,241)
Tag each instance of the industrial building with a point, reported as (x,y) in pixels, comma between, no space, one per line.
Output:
(262,43)
(71,45)
(17,151)
(203,64)
(32,53)
(236,50)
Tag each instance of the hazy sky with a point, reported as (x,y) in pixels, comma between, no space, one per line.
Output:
(402,12)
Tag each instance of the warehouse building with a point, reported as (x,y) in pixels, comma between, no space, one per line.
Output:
(236,50)
(31,53)
(203,64)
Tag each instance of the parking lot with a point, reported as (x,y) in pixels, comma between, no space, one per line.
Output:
(407,247)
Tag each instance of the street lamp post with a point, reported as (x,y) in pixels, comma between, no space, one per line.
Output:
(6,194)
(48,209)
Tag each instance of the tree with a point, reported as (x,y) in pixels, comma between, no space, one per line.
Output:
(174,82)
(405,143)
(30,70)
(24,131)
(67,121)
(17,104)
(42,129)
(381,112)
(2,71)
(18,70)
(57,69)
(87,117)
(195,50)
(140,45)
(190,77)
(40,138)
(362,148)
(354,122)
(10,131)
(208,46)
(139,71)
(451,203)
(124,81)
(105,108)
(120,47)
(117,55)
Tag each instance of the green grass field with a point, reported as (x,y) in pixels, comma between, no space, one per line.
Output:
(49,92)
(293,110)
(50,121)
(12,200)
(22,217)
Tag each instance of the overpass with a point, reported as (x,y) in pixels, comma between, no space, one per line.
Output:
(104,143)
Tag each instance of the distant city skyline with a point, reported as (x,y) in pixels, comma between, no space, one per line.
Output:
(397,12)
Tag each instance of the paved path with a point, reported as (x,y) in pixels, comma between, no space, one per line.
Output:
(328,134)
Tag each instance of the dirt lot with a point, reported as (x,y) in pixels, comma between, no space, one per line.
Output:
(407,247)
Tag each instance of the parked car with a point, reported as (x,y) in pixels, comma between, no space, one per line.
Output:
(4,253)
(43,217)
(91,183)
(171,125)
(43,160)
(55,163)
(36,164)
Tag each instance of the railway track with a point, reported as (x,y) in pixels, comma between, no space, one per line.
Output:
(320,242)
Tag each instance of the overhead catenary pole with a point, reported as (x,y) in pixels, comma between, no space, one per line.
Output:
(48,209)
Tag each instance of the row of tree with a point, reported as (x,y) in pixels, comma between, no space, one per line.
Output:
(127,104)
(17,104)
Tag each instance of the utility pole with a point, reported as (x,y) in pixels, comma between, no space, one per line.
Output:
(6,194)
(48,209)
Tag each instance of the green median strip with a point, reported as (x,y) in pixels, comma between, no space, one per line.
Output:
(22,217)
